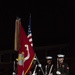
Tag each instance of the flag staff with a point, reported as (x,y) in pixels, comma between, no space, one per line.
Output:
(14,73)
(40,66)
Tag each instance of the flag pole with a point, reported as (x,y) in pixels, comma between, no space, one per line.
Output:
(17,34)
(41,66)
(14,73)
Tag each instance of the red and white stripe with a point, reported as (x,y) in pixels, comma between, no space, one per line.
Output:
(30,39)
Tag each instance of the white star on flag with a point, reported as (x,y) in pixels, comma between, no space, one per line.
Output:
(29,31)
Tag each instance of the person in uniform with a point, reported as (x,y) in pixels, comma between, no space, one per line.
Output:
(49,67)
(36,68)
(62,68)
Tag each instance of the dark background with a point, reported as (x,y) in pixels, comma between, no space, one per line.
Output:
(53,23)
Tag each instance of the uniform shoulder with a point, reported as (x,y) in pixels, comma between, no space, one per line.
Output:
(66,64)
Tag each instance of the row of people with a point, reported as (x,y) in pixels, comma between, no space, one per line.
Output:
(49,68)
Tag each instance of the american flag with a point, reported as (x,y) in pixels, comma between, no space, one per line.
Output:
(30,32)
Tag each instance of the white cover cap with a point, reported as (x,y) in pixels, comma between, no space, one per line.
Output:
(60,55)
(49,57)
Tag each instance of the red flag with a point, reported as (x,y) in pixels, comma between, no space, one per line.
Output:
(26,54)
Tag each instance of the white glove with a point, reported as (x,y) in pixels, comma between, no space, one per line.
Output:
(13,73)
(58,72)
(16,59)
(39,65)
